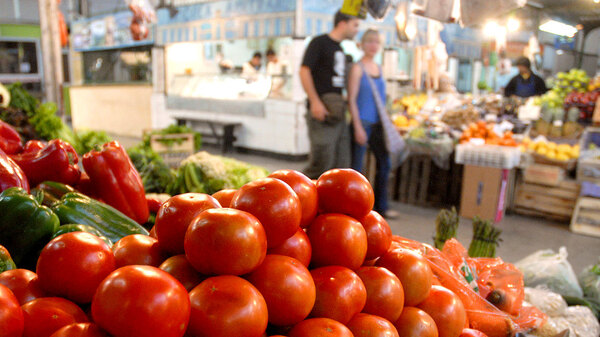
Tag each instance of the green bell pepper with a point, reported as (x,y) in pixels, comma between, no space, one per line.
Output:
(25,225)
(76,208)
(6,262)
(81,228)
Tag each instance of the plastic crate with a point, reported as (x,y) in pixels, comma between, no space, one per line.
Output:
(488,155)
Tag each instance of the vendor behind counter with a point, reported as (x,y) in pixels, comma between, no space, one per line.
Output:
(526,84)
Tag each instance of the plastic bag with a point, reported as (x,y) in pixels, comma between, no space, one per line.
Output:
(550,269)
(547,301)
(589,280)
(582,322)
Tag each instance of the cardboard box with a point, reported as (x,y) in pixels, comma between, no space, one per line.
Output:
(544,175)
(484,192)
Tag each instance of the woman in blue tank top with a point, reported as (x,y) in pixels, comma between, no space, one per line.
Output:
(366,126)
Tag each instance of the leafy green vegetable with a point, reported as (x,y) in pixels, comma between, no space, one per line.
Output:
(88,139)
(21,99)
(206,173)
(156,174)
(45,121)
(174,129)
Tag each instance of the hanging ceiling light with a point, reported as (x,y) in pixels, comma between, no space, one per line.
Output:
(513,24)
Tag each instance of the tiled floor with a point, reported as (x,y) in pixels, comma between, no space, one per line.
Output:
(521,235)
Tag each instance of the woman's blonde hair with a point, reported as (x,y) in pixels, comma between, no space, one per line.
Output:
(368,32)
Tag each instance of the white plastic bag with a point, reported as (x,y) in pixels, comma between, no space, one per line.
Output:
(589,280)
(552,270)
(550,303)
(582,322)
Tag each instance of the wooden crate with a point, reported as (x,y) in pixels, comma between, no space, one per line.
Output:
(181,147)
(586,218)
(544,174)
(556,203)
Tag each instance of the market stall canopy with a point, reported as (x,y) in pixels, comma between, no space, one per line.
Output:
(584,12)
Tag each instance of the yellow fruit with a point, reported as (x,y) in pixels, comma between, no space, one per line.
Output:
(551,155)
(562,157)
(551,146)
(542,151)
(401,121)
(522,148)
(563,148)
(532,146)
(574,153)
(526,140)
(413,122)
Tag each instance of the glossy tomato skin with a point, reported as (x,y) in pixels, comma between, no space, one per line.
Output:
(337,240)
(138,249)
(225,241)
(298,246)
(366,325)
(11,315)
(80,330)
(24,284)
(129,301)
(415,322)
(379,235)
(385,295)
(447,311)
(320,327)
(472,333)
(288,289)
(44,316)
(180,268)
(224,197)
(412,270)
(73,265)
(345,191)
(340,293)
(225,306)
(306,191)
(276,206)
(176,214)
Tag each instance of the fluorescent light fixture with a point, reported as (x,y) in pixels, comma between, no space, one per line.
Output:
(514,24)
(558,28)
(597,1)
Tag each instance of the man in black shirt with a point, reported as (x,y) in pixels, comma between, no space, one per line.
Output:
(323,76)
(526,84)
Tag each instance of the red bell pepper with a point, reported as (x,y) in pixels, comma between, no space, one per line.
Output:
(117,181)
(55,162)
(33,146)
(153,204)
(11,175)
(10,141)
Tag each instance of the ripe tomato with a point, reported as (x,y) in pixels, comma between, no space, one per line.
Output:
(225,306)
(11,315)
(73,265)
(472,333)
(345,191)
(181,269)
(447,311)
(138,249)
(337,240)
(276,206)
(44,316)
(379,235)
(129,301)
(340,293)
(176,214)
(415,322)
(306,191)
(365,325)
(320,327)
(80,330)
(412,270)
(287,287)
(385,295)
(225,241)
(224,197)
(24,284)
(298,247)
